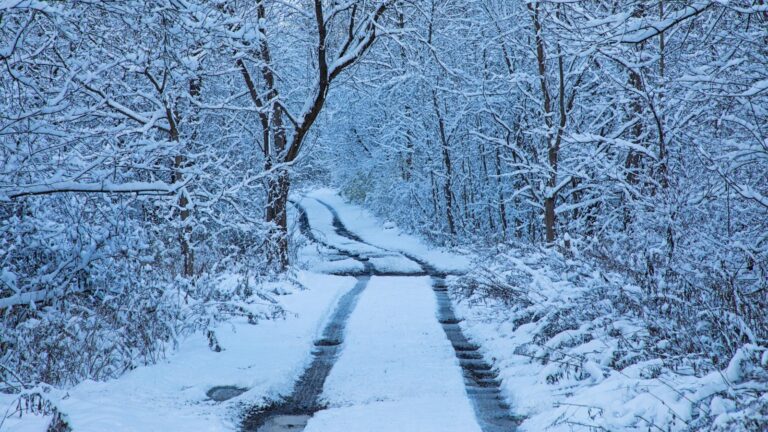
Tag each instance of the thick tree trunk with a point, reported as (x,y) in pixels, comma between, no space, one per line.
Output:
(553,137)
(549,219)
(278,189)
(279,152)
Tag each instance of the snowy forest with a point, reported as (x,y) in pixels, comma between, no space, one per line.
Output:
(190,188)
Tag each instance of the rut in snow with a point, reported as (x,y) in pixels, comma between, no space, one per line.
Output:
(293,413)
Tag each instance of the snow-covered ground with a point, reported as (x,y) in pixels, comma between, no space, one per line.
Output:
(373,231)
(397,368)
(574,357)
(569,378)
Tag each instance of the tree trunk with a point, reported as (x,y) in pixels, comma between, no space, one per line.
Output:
(502,204)
(663,180)
(553,138)
(187,252)
(408,163)
(283,152)
(486,175)
(185,232)
(549,219)
(549,201)
(278,189)
(447,166)
(408,168)
(634,159)
(195,87)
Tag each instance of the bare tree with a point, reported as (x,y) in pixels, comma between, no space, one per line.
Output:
(284,131)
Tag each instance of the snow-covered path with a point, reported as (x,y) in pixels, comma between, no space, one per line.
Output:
(393,358)
(397,370)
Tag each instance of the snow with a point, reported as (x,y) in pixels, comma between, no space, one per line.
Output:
(54,186)
(756,88)
(568,380)
(397,370)
(14,423)
(266,359)
(394,263)
(321,223)
(406,415)
(134,178)
(560,406)
(24,298)
(347,265)
(369,228)
(642,30)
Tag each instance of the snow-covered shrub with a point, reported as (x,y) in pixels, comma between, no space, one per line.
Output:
(592,330)
(92,289)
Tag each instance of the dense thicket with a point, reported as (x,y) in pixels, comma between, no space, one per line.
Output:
(632,132)
(119,210)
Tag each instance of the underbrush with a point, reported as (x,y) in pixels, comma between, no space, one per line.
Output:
(616,353)
(119,314)
(100,335)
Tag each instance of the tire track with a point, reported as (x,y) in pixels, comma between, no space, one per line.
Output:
(293,413)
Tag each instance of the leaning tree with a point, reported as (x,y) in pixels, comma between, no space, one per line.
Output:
(289,90)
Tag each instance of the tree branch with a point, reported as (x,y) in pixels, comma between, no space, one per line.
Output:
(140,188)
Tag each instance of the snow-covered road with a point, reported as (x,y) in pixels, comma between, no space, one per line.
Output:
(400,361)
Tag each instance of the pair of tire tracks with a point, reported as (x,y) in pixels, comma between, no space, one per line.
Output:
(480,379)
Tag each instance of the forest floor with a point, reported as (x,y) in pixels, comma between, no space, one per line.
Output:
(372,341)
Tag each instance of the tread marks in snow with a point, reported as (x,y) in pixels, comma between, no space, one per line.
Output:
(480,379)
(293,413)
